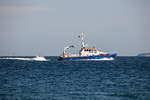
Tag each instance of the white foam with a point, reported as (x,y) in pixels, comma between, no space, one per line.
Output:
(37,58)
(102,59)
(105,59)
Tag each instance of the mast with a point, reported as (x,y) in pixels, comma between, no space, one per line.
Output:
(82,40)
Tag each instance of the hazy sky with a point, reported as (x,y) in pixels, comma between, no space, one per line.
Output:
(44,27)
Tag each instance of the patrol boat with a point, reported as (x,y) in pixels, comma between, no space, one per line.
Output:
(86,53)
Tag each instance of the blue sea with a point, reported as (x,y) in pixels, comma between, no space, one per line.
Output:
(125,78)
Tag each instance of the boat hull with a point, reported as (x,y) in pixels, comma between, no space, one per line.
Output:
(99,57)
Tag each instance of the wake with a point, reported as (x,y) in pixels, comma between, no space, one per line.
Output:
(37,58)
(102,59)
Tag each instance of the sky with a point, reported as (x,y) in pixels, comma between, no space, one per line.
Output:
(44,27)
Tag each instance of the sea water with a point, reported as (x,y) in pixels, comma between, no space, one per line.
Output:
(125,78)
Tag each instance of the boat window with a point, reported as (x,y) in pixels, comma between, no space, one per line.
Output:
(91,51)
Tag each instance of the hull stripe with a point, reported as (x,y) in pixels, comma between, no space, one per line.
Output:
(88,57)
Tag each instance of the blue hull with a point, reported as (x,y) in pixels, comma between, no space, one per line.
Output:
(89,57)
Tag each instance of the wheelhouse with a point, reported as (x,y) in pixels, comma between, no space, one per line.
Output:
(90,50)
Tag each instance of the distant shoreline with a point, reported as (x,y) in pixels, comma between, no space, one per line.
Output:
(144,54)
